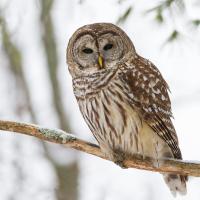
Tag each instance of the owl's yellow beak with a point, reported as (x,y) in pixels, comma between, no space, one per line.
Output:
(100,61)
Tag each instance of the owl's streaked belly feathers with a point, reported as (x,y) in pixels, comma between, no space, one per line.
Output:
(116,124)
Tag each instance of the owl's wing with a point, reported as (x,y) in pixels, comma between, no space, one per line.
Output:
(148,91)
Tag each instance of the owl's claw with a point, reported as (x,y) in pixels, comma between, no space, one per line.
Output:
(119,158)
(120,163)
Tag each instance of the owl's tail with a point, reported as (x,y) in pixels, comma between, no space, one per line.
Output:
(176,183)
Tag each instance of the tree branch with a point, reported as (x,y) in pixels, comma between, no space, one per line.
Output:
(69,140)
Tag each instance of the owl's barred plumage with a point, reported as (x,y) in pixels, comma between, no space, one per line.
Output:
(123,98)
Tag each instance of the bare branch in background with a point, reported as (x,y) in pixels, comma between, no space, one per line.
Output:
(71,141)
(49,42)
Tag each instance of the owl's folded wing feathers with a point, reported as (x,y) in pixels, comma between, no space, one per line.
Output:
(149,93)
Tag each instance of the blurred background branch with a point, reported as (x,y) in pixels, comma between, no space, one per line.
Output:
(48,38)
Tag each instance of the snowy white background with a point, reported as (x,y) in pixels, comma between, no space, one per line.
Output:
(179,63)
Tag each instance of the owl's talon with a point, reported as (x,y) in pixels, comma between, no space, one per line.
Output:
(119,158)
(120,163)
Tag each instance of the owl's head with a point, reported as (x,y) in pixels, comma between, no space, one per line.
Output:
(96,47)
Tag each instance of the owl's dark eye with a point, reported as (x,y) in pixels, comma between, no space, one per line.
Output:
(108,47)
(87,51)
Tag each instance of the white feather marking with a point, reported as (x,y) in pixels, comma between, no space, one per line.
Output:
(163,97)
(145,78)
(152,83)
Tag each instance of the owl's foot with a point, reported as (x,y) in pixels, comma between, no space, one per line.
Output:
(118,159)
(120,163)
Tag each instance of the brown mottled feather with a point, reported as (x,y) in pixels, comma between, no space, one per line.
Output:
(152,99)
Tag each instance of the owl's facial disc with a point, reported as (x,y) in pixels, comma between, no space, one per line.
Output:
(95,52)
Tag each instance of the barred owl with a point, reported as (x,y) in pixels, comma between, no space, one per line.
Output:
(123,98)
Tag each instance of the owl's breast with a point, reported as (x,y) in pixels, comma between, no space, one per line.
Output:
(90,85)
(112,119)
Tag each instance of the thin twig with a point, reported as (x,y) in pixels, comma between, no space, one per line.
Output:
(71,141)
